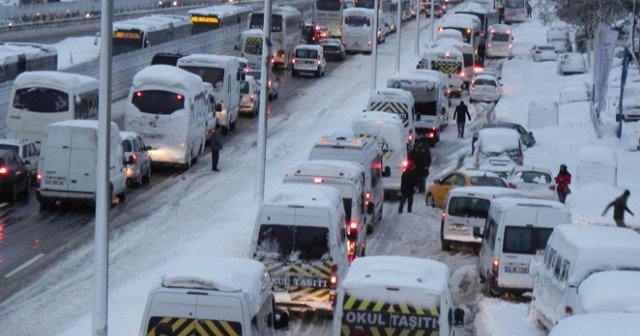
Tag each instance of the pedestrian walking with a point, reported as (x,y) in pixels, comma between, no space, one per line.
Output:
(474,139)
(619,207)
(407,187)
(563,180)
(501,14)
(529,10)
(460,115)
(481,53)
(216,147)
(420,156)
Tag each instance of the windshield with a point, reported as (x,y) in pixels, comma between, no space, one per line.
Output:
(500,37)
(347,208)
(287,242)
(515,4)
(532,177)
(365,4)
(12,148)
(469,207)
(244,87)
(357,21)
(215,76)
(306,53)
(157,102)
(39,99)
(426,108)
(482,81)
(329,5)
(525,240)
(487,181)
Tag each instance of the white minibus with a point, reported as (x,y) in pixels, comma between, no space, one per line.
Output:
(468,57)
(396,101)
(357,29)
(448,60)
(499,41)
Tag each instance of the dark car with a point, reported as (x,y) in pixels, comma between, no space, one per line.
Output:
(14,176)
(526,137)
(333,49)
(166,58)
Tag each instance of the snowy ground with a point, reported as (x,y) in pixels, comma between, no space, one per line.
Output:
(76,50)
(202,218)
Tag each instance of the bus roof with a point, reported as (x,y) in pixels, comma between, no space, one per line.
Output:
(221,10)
(69,82)
(327,168)
(169,76)
(358,11)
(10,51)
(152,22)
(420,76)
(303,195)
(207,60)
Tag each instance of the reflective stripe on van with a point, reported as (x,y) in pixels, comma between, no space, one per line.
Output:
(381,318)
(385,149)
(397,108)
(303,281)
(195,327)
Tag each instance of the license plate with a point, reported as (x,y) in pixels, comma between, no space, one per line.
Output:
(458,227)
(516,269)
(54,181)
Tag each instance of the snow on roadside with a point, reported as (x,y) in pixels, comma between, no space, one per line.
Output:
(501,318)
(75,50)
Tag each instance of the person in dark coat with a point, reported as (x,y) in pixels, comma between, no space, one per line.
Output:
(529,9)
(407,187)
(216,147)
(481,52)
(460,115)
(619,207)
(501,14)
(420,155)
(563,180)
(474,139)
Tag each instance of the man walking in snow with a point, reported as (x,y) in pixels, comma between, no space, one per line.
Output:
(216,147)
(619,207)
(420,155)
(407,187)
(460,115)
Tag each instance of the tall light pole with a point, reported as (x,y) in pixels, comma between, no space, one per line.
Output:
(262,114)
(374,46)
(103,194)
(418,7)
(398,31)
(433,23)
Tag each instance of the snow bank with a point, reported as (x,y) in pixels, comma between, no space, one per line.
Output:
(610,292)
(597,163)
(501,318)
(619,324)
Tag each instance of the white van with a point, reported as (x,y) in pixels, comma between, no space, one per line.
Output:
(251,46)
(250,96)
(345,146)
(399,102)
(578,262)
(618,324)
(167,107)
(387,131)
(448,60)
(40,98)
(429,90)
(498,150)
(213,296)
(300,237)
(515,232)
(394,295)
(222,72)
(469,25)
(310,59)
(467,208)
(67,164)
(499,42)
(468,57)
(357,29)
(348,179)
(451,34)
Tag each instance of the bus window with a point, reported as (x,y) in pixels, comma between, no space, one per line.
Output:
(158,102)
(87,105)
(37,99)
(357,21)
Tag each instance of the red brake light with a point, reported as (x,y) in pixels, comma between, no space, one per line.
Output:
(405,163)
(139,94)
(443,215)
(510,46)
(333,280)
(512,186)
(179,97)
(568,310)
(353,229)
(367,196)
(319,62)
(317,180)
(4,170)
(495,266)
(489,45)
(293,61)
(133,158)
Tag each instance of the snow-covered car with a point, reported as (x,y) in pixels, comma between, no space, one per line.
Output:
(439,190)
(498,150)
(333,49)
(632,77)
(558,37)
(571,63)
(544,52)
(273,84)
(574,92)
(625,324)
(526,137)
(137,158)
(543,112)
(533,182)
(249,96)
(485,88)
(490,72)
(26,150)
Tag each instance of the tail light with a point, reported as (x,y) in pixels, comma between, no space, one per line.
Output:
(405,164)
(510,46)
(367,196)
(410,136)
(568,310)
(4,170)
(352,251)
(495,267)
(352,230)
(552,187)
(293,61)
(462,74)
(333,284)
(273,60)
(512,186)
(319,62)
(489,45)
(133,158)
(269,83)
(443,215)
(478,69)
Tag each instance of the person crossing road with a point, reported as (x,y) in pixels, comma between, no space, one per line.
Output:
(460,115)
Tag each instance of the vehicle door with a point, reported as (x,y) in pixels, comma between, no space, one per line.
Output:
(442,189)
(18,171)
(54,159)
(207,321)
(489,246)
(143,153)
(82,160)
(31,156)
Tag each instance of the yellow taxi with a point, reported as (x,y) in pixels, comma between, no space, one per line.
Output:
(438,191)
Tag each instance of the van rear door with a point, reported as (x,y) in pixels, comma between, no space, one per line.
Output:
(218,315)
(55,159)
(175,309)
(82,160)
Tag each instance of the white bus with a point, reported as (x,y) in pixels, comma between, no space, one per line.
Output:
(40,98)
(515,11)
(167,108)
(329,14)
(218,16)
(499,41)
(448,60)
(286,32)
(357,29)
(387,15)
(143,32)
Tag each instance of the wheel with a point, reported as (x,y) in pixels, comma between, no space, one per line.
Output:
(446,246)
(430,202)
(233,125)
(481,277)
(224,129)
(294,73)
(13,194)
(369,229)
(318,73)
(122,197)
(46,205)
(138,182)
(492,287)
(147,177)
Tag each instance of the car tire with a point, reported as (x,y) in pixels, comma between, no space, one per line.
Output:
(446,246)
(318,73)
(294,73)
(492,287)
(138,182)
(147,177)
(13,193)
(24,195)
(369,229)
(46,205)
(481,277)
(233,125)
(122,197)
(430,201)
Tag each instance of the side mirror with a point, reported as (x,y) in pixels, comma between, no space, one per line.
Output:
(476,232)
(458,317)
(281,320)
(219,107)
(370,208)
(148,148)
(131,159)
(386,172)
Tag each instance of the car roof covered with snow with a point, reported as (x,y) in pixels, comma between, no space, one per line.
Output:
(15,142)
(618,324)
(508,203)
(610,292)
(390,93)
(76,123)
(168,76)
(128,135)
(498,139)
(309,46)
(304,196)
(487,76)
(9,51)
(596,248)
(327,168)
(375,272)
(152,22)
(471,7)
(478,173)
(61,80)
(488,192)
(253,31)
(207,60)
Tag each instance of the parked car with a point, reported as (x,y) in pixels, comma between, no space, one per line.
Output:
(26,150)
(273,84)
(574,92)
(526,137)
(137,158)
(485,88)
(333,49)
(534,182)
(571,63)
(14,176)
(541,53)
(438,191)
(558,37)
